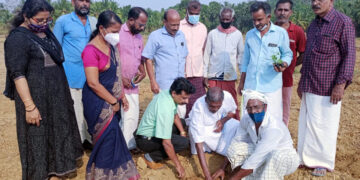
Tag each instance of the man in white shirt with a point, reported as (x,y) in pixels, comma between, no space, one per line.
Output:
(262,147)
(212,124)
(223,53)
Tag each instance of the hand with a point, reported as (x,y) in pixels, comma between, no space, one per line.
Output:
(183,134)
(337,93)
(219,174)
(116,107)
(299,93)
(181,171)
(240,88)
(206,82)
(155,87)
(219,126)
(125,103)
(141,76)
(281,67)
(33,117)
(127,83)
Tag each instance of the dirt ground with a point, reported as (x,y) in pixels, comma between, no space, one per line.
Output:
(347,157)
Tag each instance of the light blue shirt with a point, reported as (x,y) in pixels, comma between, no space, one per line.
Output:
(73,36)
(257,61)
(169,53)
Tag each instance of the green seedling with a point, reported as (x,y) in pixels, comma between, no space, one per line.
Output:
(277,61)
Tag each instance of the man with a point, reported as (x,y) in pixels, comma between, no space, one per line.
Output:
(263,43)
(297,38)
(195,34)
(133,71)
(262,147)
(167,49)
(327,69)
(73,33)
(223,52)
(212,126)
(154,135)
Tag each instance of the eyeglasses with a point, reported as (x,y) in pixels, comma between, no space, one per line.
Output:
(255,108)
(318,1)
(42,21)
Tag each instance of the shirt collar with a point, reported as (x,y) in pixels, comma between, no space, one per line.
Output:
(291,26)
(272,27)
(164,31)
(329,16)
(126,27)
(74,17)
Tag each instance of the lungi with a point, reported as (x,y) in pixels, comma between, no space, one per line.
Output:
(130,119)
(198,83)
(318,129)
(286,98)
(277,164)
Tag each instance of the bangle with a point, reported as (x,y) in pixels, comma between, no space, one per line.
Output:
(31,110)
(114,103)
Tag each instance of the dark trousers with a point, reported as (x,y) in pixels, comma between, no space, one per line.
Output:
(155,148)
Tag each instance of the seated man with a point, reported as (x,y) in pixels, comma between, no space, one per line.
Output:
(212,125)
(155,135)
(262,147)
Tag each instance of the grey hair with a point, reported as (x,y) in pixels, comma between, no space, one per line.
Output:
(227,9)
(214,94)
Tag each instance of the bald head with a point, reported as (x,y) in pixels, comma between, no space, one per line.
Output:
(171,21)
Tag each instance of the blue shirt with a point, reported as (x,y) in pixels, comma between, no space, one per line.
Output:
(169,53)
(257,61)
(73,36)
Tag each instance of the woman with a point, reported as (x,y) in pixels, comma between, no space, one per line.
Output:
(110,158)
(48,137)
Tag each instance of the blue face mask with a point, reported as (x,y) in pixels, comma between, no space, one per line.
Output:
(258,117)
(193,19)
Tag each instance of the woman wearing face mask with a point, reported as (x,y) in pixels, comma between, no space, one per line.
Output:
(48,137)
(102,94)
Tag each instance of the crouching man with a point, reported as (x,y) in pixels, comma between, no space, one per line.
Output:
(155,135)
(262,147)
(211,125)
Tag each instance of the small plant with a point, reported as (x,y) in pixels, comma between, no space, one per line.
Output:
(277,61)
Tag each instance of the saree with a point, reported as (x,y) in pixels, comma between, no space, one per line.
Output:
(110,157)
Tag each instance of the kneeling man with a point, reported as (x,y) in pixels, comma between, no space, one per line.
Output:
(155,135)
(262,147)
(212,125)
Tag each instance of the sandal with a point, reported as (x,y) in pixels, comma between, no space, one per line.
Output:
(319,172)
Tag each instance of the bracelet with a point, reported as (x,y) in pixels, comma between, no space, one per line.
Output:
(114,103)
(31,110)
(183,133)
(27,100)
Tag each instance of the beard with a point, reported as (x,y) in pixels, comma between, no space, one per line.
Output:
(82,11)
(282,19)
(133,30)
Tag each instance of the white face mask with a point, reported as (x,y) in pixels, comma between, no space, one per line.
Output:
(112,38)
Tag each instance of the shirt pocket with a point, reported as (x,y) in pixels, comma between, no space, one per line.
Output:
(327,44)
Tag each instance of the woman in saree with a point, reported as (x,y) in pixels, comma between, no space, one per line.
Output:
(102,97)
(48,137)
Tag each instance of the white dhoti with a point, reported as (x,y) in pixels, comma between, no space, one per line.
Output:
(218,142)
(318,129)
(76,95)
(277,164)
(274,106)
(130,119)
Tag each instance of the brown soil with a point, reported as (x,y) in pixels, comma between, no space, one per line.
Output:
(347,157)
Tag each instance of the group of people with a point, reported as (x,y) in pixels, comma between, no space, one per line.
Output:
(77,88)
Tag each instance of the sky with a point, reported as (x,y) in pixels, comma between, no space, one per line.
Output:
(152,4)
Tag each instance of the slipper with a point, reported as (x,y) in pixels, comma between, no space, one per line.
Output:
(319,172)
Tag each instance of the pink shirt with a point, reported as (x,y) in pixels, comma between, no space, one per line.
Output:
(130,48)
(93,57)
(195,36)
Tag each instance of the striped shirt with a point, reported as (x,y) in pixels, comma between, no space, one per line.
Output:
(329,57)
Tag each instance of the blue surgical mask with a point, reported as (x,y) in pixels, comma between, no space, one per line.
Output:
(193,19)
(258,117)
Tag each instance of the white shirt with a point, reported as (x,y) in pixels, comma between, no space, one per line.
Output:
(223,52)
(273,135)
(203,122)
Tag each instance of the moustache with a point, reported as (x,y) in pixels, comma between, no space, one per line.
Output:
(315,7)
(281,17)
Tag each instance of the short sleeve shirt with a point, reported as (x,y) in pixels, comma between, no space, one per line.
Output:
(158,117)
(169,54)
